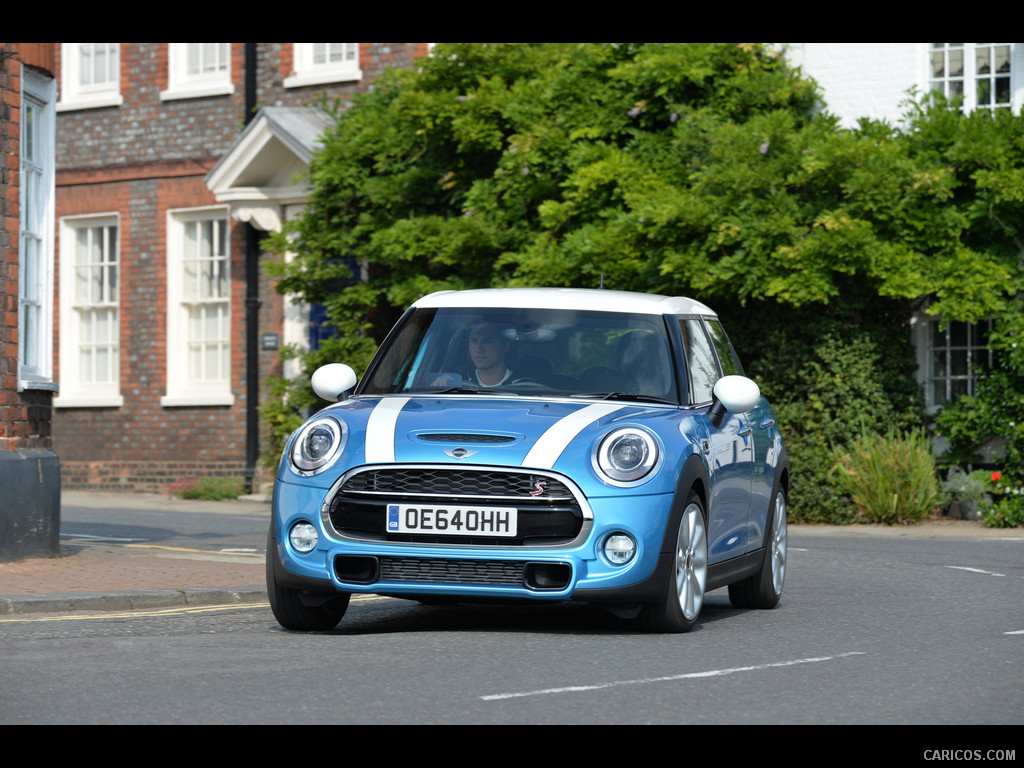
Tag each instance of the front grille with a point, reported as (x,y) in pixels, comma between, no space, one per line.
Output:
(549,514)
(436,481)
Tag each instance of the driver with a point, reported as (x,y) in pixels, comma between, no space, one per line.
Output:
(487,349)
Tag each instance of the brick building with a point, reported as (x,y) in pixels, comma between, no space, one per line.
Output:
(29,468)
(170,160)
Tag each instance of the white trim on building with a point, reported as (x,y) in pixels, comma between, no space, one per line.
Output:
(90,312)
(36,226)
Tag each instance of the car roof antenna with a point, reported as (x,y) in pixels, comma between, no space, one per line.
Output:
(601,286)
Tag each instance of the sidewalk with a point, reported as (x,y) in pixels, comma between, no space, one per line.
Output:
(105,577)
(90,576)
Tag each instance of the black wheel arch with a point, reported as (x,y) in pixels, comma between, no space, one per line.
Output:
(693,477)
(781,482)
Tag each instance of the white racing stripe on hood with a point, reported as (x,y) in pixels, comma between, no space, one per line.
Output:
(380,429)
(549,446)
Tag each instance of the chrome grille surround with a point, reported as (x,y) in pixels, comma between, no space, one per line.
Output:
(457,484)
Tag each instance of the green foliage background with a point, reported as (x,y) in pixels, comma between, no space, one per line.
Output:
(701,169)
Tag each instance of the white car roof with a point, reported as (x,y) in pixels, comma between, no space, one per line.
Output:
(566,298)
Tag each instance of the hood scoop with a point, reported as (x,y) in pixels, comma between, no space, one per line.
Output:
(462,437)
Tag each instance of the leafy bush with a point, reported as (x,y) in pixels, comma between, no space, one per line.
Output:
(1008,512)
(825,376)
(890,478)
(208,488)
(995,413)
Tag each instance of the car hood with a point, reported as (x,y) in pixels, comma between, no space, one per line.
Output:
(512,432)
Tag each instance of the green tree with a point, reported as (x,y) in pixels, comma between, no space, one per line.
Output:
(698,169)
(985,154)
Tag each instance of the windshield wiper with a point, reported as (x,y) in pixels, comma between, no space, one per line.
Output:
(469,391)
(623,396)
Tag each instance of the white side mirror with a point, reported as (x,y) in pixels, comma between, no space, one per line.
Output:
(332,381)
(737,393)
(733,394)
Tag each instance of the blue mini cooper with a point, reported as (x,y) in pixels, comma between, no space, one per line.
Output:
(535,445)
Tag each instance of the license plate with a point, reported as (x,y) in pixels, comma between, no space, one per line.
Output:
(452,521)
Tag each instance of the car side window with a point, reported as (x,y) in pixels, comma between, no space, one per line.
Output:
(726,354)
(700,359)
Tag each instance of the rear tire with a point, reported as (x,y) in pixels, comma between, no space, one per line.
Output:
(680,607)
(764,589)
(302,610)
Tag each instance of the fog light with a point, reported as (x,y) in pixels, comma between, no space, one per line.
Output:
(303,537)
(619,548)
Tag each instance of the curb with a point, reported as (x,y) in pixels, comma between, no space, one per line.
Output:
(131,601)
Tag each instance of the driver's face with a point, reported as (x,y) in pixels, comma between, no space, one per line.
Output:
(487,348)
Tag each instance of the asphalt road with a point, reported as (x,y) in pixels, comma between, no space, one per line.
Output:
(152,519)
(887,630)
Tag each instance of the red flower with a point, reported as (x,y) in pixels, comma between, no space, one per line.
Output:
(997,476)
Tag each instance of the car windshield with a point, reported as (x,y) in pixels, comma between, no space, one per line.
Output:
(542,352)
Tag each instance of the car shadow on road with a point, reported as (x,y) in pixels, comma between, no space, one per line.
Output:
(558,618)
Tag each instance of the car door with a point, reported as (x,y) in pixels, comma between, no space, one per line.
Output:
(761,423)
(729,449)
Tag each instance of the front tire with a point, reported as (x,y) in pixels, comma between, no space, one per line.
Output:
(764,589)
(680,607)
(301,610)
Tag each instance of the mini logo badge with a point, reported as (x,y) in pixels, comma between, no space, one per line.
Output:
(459,453)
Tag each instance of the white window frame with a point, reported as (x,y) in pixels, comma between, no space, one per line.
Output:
(78,95)
(308,71)
(183,84)
(959,339)
(181,389)
(36,227)
(970,75)
(79,389)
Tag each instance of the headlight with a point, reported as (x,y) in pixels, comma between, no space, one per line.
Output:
(627,455)
(317,445)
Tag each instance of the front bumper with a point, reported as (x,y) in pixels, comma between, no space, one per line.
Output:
(482,572)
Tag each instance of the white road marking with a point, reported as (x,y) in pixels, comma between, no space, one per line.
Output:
(91,537)
(192,550)
(974,570)
(668,678)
